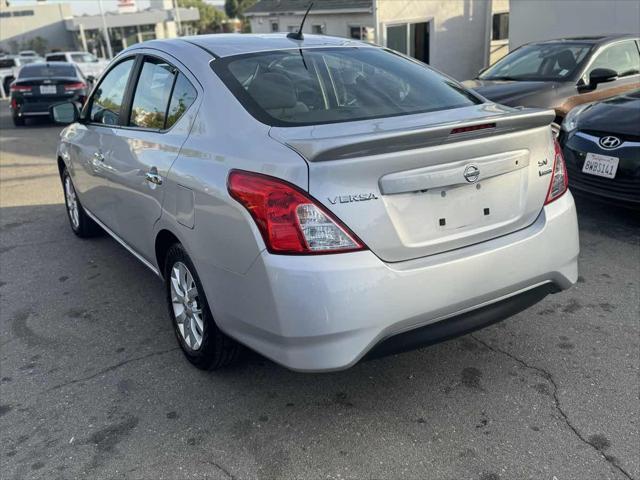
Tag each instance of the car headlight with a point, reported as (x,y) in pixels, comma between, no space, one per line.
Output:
(570,122)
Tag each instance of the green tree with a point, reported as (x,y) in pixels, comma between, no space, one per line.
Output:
(210,17)
(38,44)
(236,8)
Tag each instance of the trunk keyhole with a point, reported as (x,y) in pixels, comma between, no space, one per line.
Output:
(443,222)
(486,211)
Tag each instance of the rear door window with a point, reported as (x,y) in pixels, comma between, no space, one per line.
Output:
(151,99)
(106,102)
(327,85)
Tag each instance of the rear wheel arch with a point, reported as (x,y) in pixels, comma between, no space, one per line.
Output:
(164,241)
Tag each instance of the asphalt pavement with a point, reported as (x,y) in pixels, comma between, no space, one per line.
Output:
(94,386)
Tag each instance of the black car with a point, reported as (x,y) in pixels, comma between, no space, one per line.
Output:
(563,73)
(601,146)
(41,85)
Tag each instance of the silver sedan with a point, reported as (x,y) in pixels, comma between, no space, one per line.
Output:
(318,200)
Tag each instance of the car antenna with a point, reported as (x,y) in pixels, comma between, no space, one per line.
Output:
(298,35)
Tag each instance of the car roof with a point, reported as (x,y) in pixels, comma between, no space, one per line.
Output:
(227,44)
(594,39)
(65,52)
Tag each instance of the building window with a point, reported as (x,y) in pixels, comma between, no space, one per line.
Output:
(317,29)
(23,13)
(275,27)
(293,28)
(500,26)
(355,32)
(410,38)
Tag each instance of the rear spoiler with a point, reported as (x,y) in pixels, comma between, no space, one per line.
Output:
(314,148)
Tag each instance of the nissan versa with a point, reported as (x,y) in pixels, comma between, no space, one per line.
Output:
(318,200)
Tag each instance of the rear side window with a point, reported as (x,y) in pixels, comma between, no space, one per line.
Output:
(315,86)
(107,99)
(184,94)
(43,70)
(149,107)
(56,58)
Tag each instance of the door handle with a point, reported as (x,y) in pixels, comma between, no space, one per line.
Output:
(153,178)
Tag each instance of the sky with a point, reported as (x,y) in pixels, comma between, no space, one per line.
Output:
(90,7)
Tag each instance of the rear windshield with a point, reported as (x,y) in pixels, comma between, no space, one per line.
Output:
(328,85)
(60,57)
(45,70)
(7,63)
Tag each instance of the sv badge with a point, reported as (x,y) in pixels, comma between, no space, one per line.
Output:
(544,168)
(361,197)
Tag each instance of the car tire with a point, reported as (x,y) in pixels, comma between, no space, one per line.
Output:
(81,224)
(202,342)
(18,121)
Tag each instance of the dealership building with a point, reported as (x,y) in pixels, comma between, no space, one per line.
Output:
(52,26)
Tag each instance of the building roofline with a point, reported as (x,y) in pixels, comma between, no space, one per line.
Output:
(334,11)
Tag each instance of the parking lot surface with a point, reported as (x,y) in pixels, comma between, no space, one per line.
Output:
(93,384)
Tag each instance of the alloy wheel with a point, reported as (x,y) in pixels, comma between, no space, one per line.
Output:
(187,309)
(72,203)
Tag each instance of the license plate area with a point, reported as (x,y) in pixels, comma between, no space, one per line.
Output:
(600,165)
(48,90)
(441,214)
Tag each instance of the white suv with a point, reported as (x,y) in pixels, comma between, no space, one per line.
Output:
(89,64)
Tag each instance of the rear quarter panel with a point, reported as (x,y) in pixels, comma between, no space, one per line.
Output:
(219,234)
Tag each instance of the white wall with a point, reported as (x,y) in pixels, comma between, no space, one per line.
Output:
(458,31)
(336,25)
(532,20)
(47,21)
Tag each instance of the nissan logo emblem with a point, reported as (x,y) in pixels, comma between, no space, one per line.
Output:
(471,173)
(609,142)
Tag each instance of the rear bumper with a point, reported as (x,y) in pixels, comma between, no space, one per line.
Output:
(327,312)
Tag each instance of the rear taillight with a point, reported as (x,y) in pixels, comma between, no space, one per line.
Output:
(20,88)
(75,86)
(290,221)
(559,179)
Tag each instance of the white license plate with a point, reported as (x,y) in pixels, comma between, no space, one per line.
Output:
(600,165)
(48,90)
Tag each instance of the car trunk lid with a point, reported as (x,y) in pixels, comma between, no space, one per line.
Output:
(417,185)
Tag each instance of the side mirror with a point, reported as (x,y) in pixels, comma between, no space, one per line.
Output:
(65,113)
(91,79)
(602,75)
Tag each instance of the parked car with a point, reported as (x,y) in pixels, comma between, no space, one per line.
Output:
(601,143)
(562,74)
(41,85)
(9,66)
(27,53)
(317,200)
(90,65)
